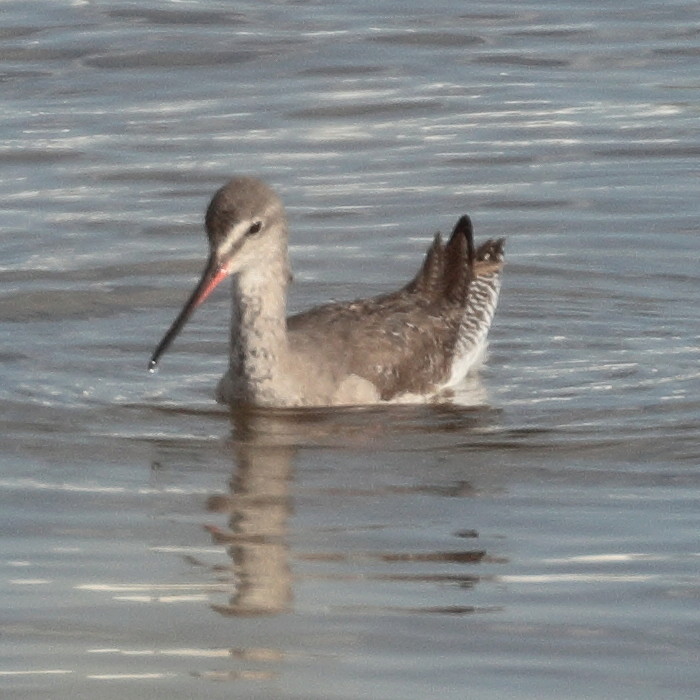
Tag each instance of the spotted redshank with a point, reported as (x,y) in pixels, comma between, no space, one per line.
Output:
(412,345)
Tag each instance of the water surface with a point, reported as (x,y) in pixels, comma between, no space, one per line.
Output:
(542,544)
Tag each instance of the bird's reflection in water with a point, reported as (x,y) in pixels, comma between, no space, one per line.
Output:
(258,507)
(259,502)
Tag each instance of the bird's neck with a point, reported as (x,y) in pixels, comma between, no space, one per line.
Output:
(259,346)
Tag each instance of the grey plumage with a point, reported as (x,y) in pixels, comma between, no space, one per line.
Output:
(409,344)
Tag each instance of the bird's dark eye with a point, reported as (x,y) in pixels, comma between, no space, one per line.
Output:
(254,228)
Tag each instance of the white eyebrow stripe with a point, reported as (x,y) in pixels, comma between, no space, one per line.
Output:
(234,239)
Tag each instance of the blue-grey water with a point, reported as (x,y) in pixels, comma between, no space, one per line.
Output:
(543,544)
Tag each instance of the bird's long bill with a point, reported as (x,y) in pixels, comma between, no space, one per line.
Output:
(212,275)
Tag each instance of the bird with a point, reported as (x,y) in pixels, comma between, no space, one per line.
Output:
(412,345)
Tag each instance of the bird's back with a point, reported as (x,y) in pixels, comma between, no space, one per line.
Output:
(419,339)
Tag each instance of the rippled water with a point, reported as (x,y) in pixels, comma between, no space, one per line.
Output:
(541,545)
